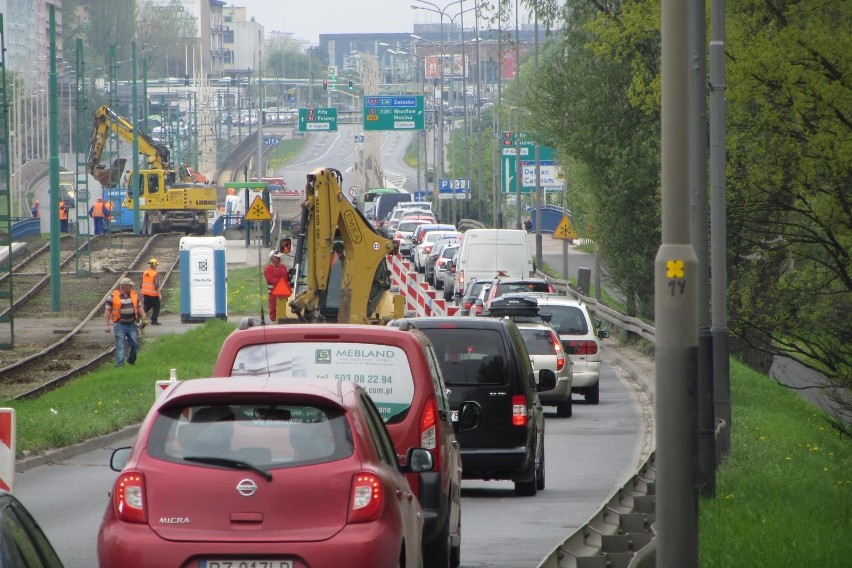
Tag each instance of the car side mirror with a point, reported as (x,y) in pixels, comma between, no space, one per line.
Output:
(603,334)
(119,459)
(546,380)
(418,460)
(449,265)
(470,417)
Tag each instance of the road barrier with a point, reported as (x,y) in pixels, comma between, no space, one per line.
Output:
(420,298)
(8,437)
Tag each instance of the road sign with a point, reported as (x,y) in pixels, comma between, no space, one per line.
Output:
(508,164)
(453,188)
(313,119)
(258,211)
(565,230)
(394,113)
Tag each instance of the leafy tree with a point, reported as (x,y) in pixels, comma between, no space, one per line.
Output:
(111,23)
(166,31)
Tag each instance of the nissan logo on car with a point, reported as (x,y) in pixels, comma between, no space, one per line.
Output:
(246,487)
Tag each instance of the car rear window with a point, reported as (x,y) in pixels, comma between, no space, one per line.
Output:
(383,371)
(264,434)
(515,287)
(470,356)
(566,320)
(538,341)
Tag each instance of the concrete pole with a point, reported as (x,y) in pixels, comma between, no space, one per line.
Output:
(718,216)
(539,194)
(137,226)
(477,126)
(498,153)
(260,99)
(697,92)
(519,183)
(53,125)
(676,290)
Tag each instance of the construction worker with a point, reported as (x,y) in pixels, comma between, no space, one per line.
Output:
(35,210)
(99,212)
(151,295)
(63,217)
(274,272)
(122,309)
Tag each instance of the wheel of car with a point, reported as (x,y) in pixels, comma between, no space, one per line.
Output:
(437,552)
(528,488)
(593,393)
(539,484)
(565,409)
(439,284)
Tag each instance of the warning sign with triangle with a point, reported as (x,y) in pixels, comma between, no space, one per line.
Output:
(282,289)
(258,211)
(564,231)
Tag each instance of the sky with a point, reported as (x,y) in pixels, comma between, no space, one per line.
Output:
(307,19)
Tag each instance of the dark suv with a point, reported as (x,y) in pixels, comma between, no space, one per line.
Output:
(493,396)
(400,372)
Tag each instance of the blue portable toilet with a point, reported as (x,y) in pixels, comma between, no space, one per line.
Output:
(203,279)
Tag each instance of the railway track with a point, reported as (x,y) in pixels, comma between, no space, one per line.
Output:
(33,368)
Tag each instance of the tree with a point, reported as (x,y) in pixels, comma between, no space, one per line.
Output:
(166,32)
(111,23)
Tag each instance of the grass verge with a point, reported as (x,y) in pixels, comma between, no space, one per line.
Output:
(286,151)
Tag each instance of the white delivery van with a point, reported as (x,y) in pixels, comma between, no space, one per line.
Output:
(487,253)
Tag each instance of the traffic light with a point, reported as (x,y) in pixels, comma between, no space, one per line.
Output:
(350,85)
(286,245)
(324,85)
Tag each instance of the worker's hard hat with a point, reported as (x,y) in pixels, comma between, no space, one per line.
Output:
(99,199)
(125,282)
(276,254)
(153,262)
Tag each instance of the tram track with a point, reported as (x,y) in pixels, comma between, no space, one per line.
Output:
(32,369)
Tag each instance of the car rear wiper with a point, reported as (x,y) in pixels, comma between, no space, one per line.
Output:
(229,463)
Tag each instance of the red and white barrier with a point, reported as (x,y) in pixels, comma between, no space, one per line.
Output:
(420,298)
(8,438)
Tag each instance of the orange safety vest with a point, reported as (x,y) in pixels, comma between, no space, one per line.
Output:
(63,212)
(149,283)
(116,305)
(98,209)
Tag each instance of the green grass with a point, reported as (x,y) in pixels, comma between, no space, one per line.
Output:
(246,292)
(785,496)
(286,151)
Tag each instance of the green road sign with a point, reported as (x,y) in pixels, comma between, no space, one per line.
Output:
(394,113)
(551,176)
(311,119)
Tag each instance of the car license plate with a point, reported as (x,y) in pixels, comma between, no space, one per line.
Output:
(245,564)
(454,415)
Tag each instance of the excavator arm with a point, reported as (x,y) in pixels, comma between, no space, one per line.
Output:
(329,217)
(157,155)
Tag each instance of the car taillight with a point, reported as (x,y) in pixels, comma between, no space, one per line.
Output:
(584,347)
(519,410)
(467,305)
(367,498)
(429,430)
(477,310)
(549,288)
(129,497)
(461,280)
(560,355)
(427,250)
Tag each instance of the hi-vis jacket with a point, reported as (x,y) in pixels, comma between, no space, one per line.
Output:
(122,310)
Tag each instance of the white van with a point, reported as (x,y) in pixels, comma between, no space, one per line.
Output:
(486,253)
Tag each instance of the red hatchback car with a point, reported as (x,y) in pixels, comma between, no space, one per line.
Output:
(261,473)
(401,373)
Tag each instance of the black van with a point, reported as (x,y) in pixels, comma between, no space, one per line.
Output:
(493,396)
(385,203)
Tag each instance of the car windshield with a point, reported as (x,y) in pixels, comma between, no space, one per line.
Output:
(408,226)
(538,341)
(382,370)
(258,436)
(566,320)
(469,356)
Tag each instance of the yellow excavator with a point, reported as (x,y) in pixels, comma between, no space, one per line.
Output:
(169,200)
(341,272)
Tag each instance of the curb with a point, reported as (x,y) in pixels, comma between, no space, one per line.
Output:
(61,454)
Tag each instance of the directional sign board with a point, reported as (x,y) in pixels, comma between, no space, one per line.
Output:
(313,119)
(394,113)
(551,174)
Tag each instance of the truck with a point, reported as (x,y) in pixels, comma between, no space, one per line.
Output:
(355,289)
(169,199)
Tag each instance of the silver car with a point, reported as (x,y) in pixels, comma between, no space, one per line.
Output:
(546,352)
(576,329)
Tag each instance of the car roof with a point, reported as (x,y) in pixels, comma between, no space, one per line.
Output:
(207,388)
(556,300)
(454,323)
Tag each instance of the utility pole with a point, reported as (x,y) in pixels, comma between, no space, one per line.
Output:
(519,169)
(135,179)
(675,295)
(53,112)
